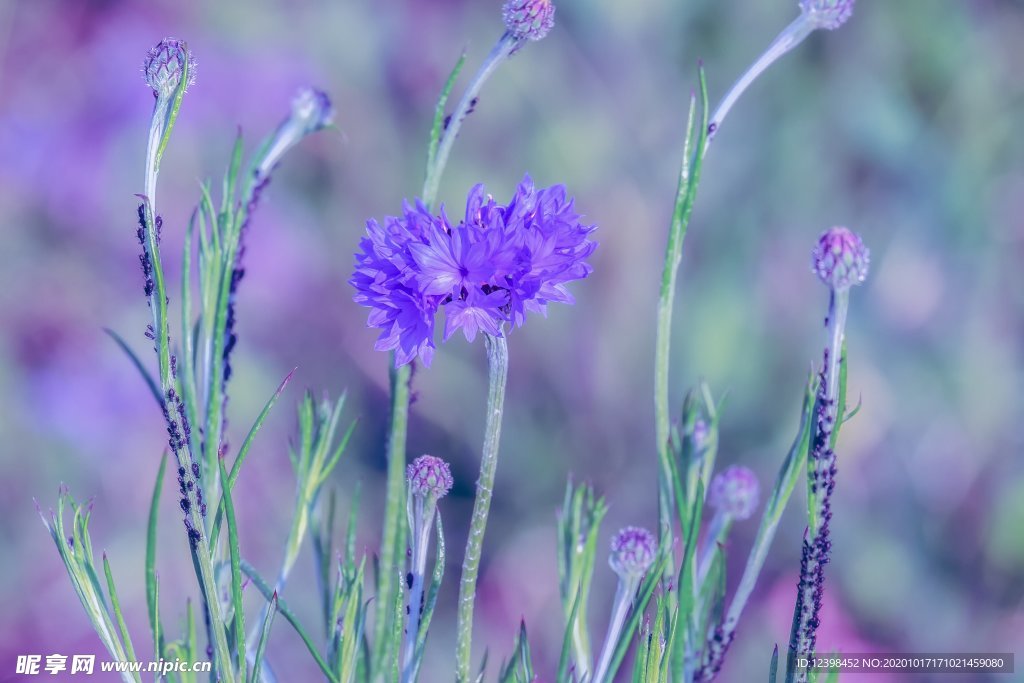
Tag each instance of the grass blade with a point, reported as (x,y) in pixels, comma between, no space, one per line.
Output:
(236,574)
(282,607)
(261,646)
(152,596)
(112,591)
(146,376)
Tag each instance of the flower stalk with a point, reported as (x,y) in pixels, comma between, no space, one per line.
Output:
(633,553)
(497,361)
(841,261)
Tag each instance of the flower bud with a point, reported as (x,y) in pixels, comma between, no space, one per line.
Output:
(840,258)
(735,492)
(633,550)
(165,65)
(827,14)
(528,19)
(429,476)
(312,110)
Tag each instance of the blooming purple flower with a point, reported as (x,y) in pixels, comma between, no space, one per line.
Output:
(528,19)
(429,475)
(489,270)
(840,258)
(827,14)
(735,491)
(633,550)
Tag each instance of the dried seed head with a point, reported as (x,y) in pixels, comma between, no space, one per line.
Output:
(528,19)
(429,476)
(840,258)
(735,491)
(165,65)
(827,14)
(633,550)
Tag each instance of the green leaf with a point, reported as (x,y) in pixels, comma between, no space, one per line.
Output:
(152,602)
(236,573)
(773,670)
(282,607)
(112,591)
(439,115)
(154,389)
(570,627)
(261,646)
(236,467)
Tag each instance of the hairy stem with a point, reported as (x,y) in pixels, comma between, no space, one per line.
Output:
(497,358)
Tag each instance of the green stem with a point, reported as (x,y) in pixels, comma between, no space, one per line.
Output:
(499,53)
(497,358)
(393,541)
(394,530)
(685,195)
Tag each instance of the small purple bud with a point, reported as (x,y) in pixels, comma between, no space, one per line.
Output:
(429,476)
(827,14)
(633,550)
(735,491)
(312,110)
(528,19)
(165,64)
(840,258)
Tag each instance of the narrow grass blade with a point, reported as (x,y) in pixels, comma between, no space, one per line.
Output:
(152,598)
(112,592)
(282,607)
(236,574)
(261,646)
(773,670)
(438,126)
(236,467)
(146,376)
(563,661)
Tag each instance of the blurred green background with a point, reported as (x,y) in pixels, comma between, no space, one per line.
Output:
(903,125)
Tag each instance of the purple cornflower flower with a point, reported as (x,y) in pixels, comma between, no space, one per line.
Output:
(528,19)
(735,492)
(489,270)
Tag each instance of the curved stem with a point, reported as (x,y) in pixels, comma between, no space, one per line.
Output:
(499,53)
(497,358)
(790,37)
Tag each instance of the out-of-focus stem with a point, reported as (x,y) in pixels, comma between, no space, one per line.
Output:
(501,51)
(422,522)
(624,594)
(497,359)
(790,37)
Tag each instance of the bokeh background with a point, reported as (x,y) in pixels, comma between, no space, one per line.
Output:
(904,124)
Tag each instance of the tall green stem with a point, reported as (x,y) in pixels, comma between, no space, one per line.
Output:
(497,359)
(393,541)
(685,195)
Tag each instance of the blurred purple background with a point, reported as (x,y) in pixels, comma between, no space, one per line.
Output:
(903,125)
